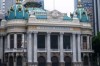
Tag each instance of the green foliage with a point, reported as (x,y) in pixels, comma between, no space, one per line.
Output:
(33,4)
(96,43)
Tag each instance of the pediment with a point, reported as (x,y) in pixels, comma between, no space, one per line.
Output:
(55,14)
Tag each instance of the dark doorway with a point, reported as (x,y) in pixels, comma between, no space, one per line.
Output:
(41,61)
(11,62)
(55,61)
(85,62)
(67,60)
(19,61)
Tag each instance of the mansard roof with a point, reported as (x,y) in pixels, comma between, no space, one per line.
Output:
(17,12)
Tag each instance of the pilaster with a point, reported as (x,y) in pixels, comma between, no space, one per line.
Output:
(79,47)
(8,41)
(15,40)
(74,47)
(29,47)
(35,47)
(1,48)
(61,48)
(88,42)
(48,47)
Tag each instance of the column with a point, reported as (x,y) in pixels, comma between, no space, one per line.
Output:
(35,47)
(1,48)
(23,47)
(29,47)
(74,47)
(15,41)
(48,47)
(88,42)
(8,41)
(61,48)
(81,42)
(79,47)
(23,42)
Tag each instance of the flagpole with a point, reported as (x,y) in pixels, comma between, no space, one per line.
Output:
(54,4)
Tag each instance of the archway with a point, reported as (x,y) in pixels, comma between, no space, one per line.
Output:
(68,61)
(19,61)
(85,61)
(11,61)
(55,61)
(41,61)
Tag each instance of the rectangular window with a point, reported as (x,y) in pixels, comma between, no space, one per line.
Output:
(19,40)
(54,41)
(66,42)
(84,42)
(11,41)
(41,41)
(0,22)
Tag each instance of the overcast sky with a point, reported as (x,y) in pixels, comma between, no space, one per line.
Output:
(64,6)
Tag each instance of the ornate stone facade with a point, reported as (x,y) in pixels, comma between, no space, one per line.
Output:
(44,40)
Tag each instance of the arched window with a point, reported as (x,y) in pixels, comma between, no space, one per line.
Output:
(55,61)
(41,61)
(68,61)
(85,62)
(11,61)
(19,61)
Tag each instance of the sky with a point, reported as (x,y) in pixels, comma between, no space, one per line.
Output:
(64,6)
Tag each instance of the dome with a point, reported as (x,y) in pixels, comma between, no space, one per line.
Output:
(17,12)
(82,14)
(65,17)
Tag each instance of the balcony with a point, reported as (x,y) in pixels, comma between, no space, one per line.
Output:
(41,50)
(87,50)
(67,50)
(16,50)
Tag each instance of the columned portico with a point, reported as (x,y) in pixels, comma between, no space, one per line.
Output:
(53,38)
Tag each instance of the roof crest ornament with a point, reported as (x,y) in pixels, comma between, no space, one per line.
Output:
(79,4)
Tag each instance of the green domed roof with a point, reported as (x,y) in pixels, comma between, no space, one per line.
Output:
(82,14)
(18,12)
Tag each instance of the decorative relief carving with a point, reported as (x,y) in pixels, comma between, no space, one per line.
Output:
(2,30)
(76,28)
(55,14)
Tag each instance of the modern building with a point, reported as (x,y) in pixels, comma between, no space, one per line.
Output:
(36,37)
(39,1)
(8,4)
(88,5)
(96,16)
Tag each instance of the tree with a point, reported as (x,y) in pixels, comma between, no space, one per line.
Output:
(96,48)
(96,43)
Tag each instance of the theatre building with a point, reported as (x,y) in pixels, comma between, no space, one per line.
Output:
(37,37)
